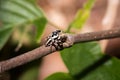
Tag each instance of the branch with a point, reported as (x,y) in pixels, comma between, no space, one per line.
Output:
(42,50)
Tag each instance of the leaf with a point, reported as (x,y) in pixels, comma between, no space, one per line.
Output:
(82,15)
(40,22)
(79,56)
(108,71)
(17,12)
(5,33)
(59,76)
(81,18)
(30,71)
(86,62)
(30,74)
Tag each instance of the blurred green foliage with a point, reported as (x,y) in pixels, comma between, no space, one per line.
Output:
(18,12)
(82,15)
(30,74)
(19,17)
(59,76)
(84,61)
(5,32)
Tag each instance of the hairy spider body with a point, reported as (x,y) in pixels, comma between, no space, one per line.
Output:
(55,39)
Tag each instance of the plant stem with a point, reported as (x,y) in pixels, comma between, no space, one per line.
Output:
(42,50)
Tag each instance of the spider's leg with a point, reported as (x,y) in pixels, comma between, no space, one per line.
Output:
(51,48)
(48,43)
(51,44)
(55,45)
(60,45)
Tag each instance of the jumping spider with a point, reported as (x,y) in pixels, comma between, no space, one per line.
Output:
(55,39)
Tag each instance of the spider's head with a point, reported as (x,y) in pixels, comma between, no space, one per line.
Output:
(56,32)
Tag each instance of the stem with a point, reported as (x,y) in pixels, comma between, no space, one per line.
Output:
(96,36)
(68,29)
(42,50)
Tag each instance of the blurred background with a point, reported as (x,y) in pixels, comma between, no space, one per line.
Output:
(104,15)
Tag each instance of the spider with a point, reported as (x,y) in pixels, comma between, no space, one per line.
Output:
(55,39)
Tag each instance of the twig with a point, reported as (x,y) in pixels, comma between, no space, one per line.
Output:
(95,36)
(42,50)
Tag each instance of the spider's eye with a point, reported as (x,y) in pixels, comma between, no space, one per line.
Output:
(54,33)
(58,31)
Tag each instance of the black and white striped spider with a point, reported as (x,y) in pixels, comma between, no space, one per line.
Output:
(55,39)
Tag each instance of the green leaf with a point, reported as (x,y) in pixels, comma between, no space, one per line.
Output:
(30,71)
(17,12)
(30,74)
(5,33)
(81,18)
(107,71)
(85,61)
(59,76)
(79,56)
(82,15)
(40,22)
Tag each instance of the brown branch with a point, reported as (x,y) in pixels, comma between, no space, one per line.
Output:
(42,50)
(95,36)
